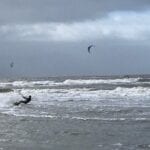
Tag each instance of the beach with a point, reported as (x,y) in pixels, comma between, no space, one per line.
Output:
(76,113)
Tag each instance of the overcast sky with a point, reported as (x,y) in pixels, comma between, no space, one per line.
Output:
(50,37)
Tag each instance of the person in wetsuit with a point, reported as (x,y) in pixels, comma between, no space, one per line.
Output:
(26,101)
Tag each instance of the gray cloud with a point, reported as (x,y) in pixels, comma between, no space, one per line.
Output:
(121,24)
(29,11)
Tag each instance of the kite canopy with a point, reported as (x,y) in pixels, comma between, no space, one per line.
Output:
(12,64)
(89,48)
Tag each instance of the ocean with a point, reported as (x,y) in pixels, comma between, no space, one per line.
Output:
(76,113)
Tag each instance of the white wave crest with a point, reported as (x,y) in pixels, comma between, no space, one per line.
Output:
(99,81)
(74,98)
(22,84)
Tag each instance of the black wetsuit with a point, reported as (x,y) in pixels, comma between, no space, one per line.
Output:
(27,100)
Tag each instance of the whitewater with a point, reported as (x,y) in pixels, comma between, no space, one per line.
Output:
(95,112)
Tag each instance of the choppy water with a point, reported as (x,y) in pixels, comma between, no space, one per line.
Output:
(76,113)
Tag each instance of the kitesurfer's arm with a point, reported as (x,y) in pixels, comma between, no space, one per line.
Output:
(26,98)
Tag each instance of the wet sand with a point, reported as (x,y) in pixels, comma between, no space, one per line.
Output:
(72,134)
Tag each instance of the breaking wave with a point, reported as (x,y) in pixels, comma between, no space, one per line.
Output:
(68,82)
(74,94)
(100,81)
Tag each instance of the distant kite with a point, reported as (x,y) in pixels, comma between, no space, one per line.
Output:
(89,48)
(12,64)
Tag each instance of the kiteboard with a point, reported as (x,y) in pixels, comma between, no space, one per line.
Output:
(16,103)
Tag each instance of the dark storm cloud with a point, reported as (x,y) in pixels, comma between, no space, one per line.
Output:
(29,11)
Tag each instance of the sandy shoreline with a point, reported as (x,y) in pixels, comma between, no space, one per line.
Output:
(72,134)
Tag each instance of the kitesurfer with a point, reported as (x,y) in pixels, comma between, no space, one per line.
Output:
(26,101)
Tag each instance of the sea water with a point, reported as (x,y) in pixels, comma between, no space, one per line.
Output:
(76,113)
